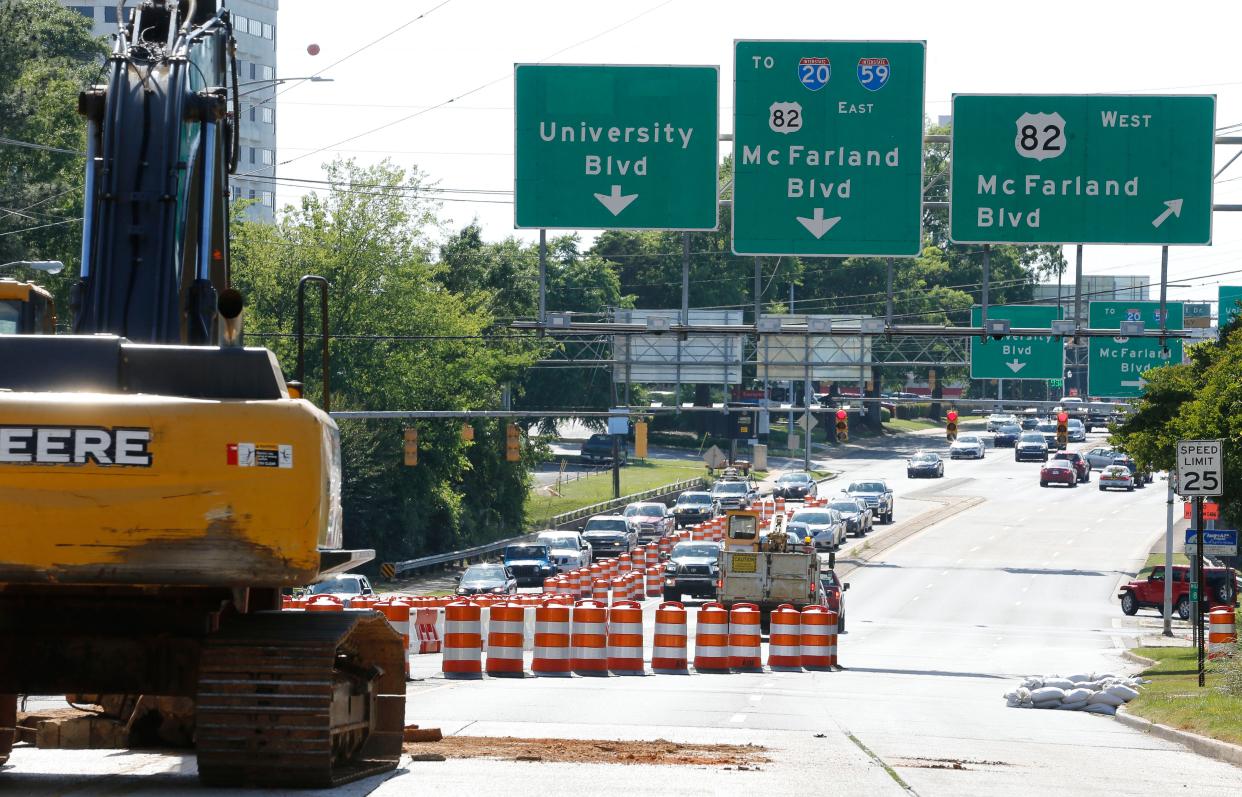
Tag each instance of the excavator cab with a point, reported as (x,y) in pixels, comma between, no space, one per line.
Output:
(26,309)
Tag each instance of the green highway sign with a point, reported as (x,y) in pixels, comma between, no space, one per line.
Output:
(616,147)
(1115,366)
(1227,300)
(1017,356)
(1054,383)
(828,147)
(1086,169)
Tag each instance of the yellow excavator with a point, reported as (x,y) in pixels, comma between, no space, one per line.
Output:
(160,484)
(26,309)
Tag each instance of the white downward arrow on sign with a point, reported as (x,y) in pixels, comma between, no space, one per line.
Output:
(1015,365)
(1173,206)
(817,225)
(615,202)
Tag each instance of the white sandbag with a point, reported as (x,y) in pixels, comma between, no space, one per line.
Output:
(1013,702)
(1101,708)
(1059,683)
(1033,683)
(1122,691)
(1049,704)
(1012,695)
(1075,706)
(1105,699)
(1102,676)
(1079,678)
(1046,693)
(1094,686)
(1077,695)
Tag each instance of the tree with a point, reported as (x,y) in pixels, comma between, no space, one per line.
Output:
(47,55)
(401,339)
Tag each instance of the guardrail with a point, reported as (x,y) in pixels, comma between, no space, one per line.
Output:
(391,570)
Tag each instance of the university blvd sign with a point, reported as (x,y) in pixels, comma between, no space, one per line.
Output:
(1086,169)
(1017,356)
(616,147)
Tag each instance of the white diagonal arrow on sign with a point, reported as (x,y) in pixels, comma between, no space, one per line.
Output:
(1171,207)
(817,225)
(1015,365)
(615,202)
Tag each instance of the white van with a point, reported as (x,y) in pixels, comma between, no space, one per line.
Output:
(569,549)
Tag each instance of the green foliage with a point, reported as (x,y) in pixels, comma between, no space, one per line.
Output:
(402,339)
(47,55)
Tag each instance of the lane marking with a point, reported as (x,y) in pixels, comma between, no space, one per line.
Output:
(756,698)
(1055,554)
(991,538)
(1018,603)
(737,718)
(929,586)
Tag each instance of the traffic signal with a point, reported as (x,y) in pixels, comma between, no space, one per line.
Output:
(843,426)
(950,428)
(411,447)
(513,443)
(1062,429)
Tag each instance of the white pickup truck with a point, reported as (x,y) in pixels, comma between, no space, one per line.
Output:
(766,570)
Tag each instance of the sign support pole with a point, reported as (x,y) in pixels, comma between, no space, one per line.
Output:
(1168,561)
(1077,297)
(543,276)
(806,394)
(1197,584)
(1164,285)
(888,305)
(987,267)
(685,311)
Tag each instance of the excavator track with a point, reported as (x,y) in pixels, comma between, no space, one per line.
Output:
(304,700)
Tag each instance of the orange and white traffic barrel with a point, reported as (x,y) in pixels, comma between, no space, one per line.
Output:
(711,639)
(589,638)
(597,571)
(625,638)
(463,642)
(504,640)
(745,648)
(785,641)
(610,567)
(818,630)
(780,505)
(654,581)
(552,650)
(620,589)
(585,581)
(638,558)
(625,563)
(666,546)
(599,590)
(325,603)
(668,652)
(1222,633)
(638,585)
(397,613)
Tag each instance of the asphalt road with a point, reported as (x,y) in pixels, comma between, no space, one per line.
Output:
(1019,582)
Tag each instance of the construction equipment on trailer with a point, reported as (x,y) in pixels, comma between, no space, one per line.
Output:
(160,484)
(26,309)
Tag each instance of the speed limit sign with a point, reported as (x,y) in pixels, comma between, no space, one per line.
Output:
(1200,467)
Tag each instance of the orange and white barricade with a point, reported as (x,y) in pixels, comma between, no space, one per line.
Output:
(780,504)
(504,639)
(785,641)
(589,638)
(599,590)
(1222,633)
(425,631)
(625,638)
(654,581)
(552,650)
(711,639)
(668,652)
(463,640)
(818,630)
(325,603)
(745,648)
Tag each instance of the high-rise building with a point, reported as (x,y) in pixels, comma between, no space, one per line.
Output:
(254,26)
(1095,288)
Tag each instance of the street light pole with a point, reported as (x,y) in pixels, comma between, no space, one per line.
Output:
(49,266)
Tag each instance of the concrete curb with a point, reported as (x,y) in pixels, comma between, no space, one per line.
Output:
(1203,745)
(1137,659)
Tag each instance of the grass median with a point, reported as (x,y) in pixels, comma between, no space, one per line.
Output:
(636,477)
(1174,698)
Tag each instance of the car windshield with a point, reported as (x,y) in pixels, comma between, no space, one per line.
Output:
(1074,422)
(866,487)
(694,498)
(561,543)
(730,488)
(483,574)
(794,477)
(1045,426)
(1065,455)
(696,549)
(650,510)
(599,439)
(344,585)
(923,458)
(969,439)
(811,518)
(605,526)
(1116,470)
(526,552)
(844,506)
(1032,438)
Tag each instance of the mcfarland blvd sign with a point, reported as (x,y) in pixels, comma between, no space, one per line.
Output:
(616,147)
(1087,169)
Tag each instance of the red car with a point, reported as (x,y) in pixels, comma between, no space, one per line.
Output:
(1219,588)
(1081,466)
(1058,471)
(832,595)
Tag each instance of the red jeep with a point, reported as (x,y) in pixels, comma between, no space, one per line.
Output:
(1219,587)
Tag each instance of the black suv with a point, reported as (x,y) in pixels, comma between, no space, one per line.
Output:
(599,449)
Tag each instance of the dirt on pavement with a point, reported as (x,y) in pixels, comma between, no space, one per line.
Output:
(591,751)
